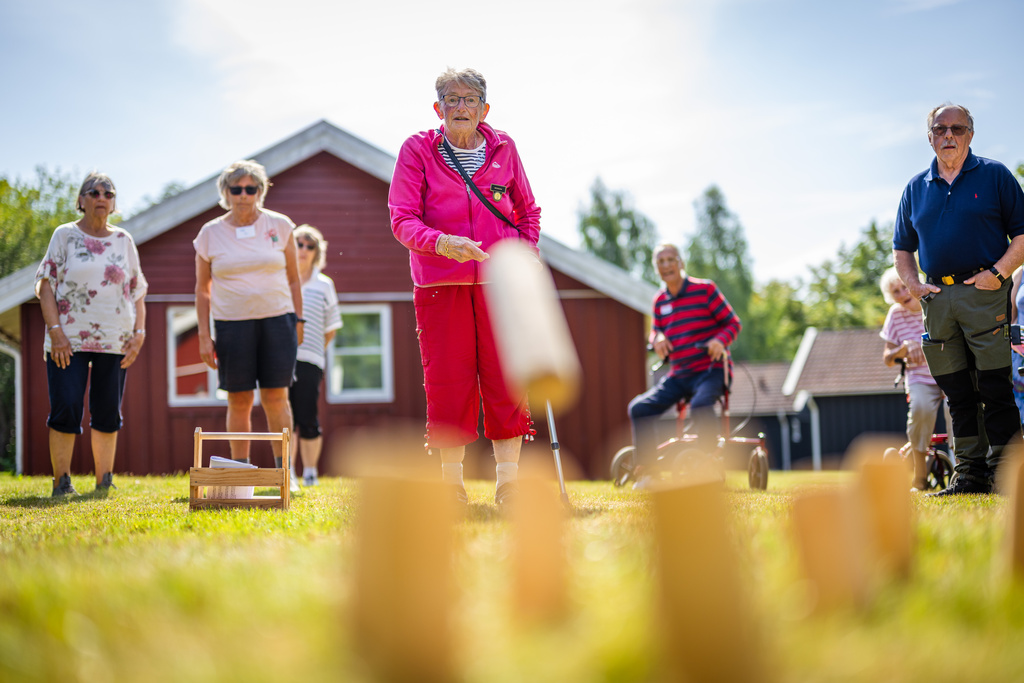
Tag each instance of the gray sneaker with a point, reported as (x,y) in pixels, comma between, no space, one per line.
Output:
(64,487)
(106,483)
(310,479)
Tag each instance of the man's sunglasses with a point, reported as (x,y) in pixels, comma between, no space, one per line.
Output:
(96,193)
(958,130)
(249,189)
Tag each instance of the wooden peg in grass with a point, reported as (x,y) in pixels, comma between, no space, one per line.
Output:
(537,352)
(1011,484)
(832,548)
(540,566)
(885,505)
(403,587)
(707,626)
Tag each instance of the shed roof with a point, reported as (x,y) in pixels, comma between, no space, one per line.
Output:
(757,389)
(16,289)
(840,362)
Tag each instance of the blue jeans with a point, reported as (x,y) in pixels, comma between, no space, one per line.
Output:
(702,390)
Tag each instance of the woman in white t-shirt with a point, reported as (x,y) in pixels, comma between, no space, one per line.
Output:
(323,319)
(902,330)
(247,277)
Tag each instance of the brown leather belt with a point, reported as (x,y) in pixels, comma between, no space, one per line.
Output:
(953,279)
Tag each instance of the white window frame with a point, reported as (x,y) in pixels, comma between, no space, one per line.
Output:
(173,399)
(385,394)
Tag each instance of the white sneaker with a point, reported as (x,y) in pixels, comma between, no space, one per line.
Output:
(310,478)
(645,483)
(293,485)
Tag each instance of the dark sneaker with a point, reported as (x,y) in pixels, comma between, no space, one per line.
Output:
(64,487)
(960,486)
(506,496)
(106,483)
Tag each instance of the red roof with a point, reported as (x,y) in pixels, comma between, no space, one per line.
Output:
(841,362)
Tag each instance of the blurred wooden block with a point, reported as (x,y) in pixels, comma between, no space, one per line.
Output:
(1011,483)
(537,352)
(403,583)
(885,505)
(538,534)
(832,548)
(708,629)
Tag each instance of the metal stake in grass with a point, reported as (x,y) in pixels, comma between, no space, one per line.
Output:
(708,629)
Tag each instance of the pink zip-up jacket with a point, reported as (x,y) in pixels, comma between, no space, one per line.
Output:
(428,198)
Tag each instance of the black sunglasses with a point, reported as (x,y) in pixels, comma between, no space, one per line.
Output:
(96,193)
(249,189)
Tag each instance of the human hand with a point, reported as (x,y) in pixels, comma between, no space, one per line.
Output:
(662,346)
(716,350)
(984,280)
(913,353)
(919,290)
(300,330)
(60,348)
(131,351)
(1019,348)
(207,353)
(461,249)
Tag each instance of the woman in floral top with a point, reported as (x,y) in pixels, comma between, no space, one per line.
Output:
(92,293)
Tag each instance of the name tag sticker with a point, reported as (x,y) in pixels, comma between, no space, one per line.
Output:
(666,309)
(246,232)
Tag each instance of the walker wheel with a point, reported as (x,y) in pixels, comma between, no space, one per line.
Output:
(757,469)
(622,466)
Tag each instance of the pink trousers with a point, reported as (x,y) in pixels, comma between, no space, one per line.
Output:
(461,367)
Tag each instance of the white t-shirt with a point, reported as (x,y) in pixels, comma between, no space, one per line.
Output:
(320,311)
(247,263)
(96,281)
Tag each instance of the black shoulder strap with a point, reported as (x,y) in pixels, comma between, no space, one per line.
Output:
(471,185)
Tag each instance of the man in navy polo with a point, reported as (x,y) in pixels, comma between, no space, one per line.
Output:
(692,326)
(964,217)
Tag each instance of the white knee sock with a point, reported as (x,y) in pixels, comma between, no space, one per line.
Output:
(507,471)
(451,473)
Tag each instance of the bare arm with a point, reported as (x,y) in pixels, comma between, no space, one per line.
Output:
(906,266)
(131,352)
(291,265)
(204,292)
(60,347)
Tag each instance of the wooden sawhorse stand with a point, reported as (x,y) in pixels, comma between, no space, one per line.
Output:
(200,477)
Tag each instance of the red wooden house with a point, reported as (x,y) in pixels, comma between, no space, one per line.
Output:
(328,178)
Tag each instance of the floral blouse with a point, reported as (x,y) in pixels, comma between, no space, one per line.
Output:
(96,281)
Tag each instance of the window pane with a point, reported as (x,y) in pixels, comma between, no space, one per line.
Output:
(190,372)
(358,372)
(359,329)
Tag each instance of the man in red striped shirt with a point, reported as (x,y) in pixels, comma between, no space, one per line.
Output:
(692,326)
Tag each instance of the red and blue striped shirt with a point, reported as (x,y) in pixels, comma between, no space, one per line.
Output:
(692,318)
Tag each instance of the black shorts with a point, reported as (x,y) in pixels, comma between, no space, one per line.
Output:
(304,396)
(67,392)
(256,352)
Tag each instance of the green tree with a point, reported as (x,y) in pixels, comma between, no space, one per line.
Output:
(613,230)
(29,211)
(776,322)
(718,251)
(843,292)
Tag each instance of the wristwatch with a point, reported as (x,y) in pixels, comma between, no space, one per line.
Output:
(995,271)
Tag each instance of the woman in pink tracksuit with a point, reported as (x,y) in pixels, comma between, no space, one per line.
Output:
(448,231)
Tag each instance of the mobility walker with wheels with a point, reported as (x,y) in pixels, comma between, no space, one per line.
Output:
(678,456)
(937,461)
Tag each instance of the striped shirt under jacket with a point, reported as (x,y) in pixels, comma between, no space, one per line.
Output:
(692,318)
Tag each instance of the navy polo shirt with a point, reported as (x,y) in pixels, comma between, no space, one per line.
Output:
(964,226)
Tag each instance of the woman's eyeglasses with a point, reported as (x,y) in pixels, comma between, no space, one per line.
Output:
(249,189)
(472,101)
(96,193)
(306,245)
(958,130)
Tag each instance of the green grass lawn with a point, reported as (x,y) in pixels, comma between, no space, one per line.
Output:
(134,587)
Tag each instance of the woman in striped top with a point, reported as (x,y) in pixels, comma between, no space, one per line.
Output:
(902,330)
(320,306)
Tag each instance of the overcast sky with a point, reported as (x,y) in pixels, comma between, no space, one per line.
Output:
(809,115)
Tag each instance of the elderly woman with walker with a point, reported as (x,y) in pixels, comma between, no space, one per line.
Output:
(91,291)
(247,276)
(456,191)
